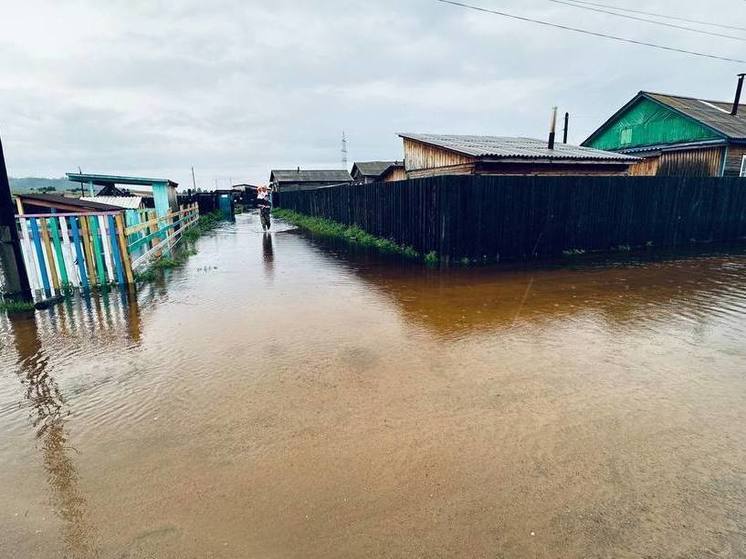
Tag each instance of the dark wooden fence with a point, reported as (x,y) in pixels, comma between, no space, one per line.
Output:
(527,217)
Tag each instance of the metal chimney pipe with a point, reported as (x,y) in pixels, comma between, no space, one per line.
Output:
(567,128)
(553,128)
(737,101)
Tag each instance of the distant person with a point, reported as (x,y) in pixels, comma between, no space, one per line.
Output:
(264,204)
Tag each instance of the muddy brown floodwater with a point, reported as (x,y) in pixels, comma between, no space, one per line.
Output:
(277,398)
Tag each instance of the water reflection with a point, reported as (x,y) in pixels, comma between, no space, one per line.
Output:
(462,301)
(104,320)
(268,255)
(48,413)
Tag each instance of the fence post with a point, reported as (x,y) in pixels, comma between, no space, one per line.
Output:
(10,245)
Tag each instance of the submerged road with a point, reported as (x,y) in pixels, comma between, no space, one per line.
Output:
(279,398)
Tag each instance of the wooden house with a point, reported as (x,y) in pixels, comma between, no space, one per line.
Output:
(677,136)
(428,155)
(364,172)
(302,179)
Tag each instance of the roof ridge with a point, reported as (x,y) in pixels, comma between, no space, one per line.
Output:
(688,98)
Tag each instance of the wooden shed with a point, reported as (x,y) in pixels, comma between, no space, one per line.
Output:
(307,179)
(677,136)
(428,155)
(395,172)
(364,172)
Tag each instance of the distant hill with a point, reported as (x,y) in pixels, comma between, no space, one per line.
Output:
(39,184)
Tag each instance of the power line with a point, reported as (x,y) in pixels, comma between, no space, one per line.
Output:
(665,16)
(651,21)
(592,33)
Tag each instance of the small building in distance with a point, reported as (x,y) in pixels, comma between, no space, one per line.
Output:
(395,172)
(302,179)
(364,172)
(429,155)
(677,136)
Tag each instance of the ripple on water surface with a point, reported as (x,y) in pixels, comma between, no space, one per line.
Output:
(276,390)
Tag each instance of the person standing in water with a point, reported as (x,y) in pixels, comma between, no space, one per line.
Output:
(264,204)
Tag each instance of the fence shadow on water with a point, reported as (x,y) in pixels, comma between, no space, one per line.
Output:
(622,291)
(512,218)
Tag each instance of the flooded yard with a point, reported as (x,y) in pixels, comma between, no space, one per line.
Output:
(279,398)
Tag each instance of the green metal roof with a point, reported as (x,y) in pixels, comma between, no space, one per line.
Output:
(648,120)
(674,120)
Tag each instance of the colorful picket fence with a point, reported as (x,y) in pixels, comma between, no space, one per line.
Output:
(74,250)
(149,236)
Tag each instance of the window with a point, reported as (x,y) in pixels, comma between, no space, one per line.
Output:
(743,166)
(625,136)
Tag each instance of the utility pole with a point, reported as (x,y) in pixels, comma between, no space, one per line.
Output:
(82,192)
(344,150)
(11,257)
(194,180)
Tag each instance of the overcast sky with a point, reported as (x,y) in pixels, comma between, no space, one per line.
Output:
(238,87)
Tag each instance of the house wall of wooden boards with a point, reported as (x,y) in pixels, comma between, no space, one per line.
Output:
(394,174)
(696,162)
(511,218)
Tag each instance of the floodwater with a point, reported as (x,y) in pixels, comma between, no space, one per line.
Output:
(278,398)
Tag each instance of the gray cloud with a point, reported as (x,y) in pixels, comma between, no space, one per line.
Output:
(238,87)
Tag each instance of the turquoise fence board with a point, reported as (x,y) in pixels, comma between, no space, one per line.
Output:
(57,243)
(97,249)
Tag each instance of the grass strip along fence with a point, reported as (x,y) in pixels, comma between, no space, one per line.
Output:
(352,234)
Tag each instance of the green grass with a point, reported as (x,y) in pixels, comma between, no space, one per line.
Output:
(16,306)
(205,224)
(432,258)
(349,233)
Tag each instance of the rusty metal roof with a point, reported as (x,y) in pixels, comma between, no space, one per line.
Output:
(501,147)
(59,200)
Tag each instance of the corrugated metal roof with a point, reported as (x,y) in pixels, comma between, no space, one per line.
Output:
(374,168)
(125,202)
(500,147)
(72,202)
(715,114)
(311,175)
